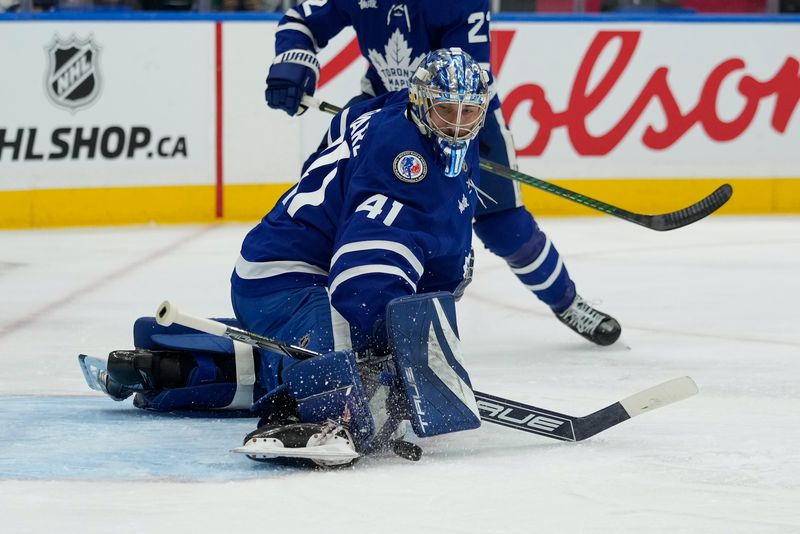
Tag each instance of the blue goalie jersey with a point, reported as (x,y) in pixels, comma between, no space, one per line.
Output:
(393,36)
(372,218)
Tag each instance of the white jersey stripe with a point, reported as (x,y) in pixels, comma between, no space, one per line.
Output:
(535,264)
(390,246)
(293,13)
(302,28)
(340,328)
(333,155)
(311,198)
(315,198)
(252,270)
(342,129)
(346,275)
(550,279)
(341,151)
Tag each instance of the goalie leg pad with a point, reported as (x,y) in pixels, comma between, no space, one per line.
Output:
(423,337)
(220,373)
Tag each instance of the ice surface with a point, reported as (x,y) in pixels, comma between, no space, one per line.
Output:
(717,301)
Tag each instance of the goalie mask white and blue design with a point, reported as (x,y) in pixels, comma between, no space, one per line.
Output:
(449,94)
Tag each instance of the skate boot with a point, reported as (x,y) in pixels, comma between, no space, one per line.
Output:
(145,370)
(112,388)
(126,372)
(594,325)
(327,445)
(95,371)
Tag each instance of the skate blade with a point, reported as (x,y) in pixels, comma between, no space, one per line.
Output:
(272,448)
(91,367)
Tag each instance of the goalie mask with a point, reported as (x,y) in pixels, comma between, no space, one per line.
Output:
(449,94)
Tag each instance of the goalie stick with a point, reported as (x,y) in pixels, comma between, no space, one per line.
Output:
(571,428)
(661,222)
(493,409)
(167,314)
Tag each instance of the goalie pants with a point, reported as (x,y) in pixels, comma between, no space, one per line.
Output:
(296,316)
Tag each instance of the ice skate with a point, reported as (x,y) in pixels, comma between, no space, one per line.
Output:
(95,371)
(322,444)
(594,325)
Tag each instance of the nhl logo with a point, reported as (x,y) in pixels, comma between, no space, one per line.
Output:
(73,78)
(410,167)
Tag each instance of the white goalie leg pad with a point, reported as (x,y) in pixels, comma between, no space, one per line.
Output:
(423,337)
(245,377)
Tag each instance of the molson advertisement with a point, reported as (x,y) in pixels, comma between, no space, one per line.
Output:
(166,121)
(650,116)
(652,100)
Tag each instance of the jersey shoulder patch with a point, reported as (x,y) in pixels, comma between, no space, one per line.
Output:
(410,167)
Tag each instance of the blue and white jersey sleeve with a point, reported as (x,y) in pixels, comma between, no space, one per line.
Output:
(310,25)
(375,260)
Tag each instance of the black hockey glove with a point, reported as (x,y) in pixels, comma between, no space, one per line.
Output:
(292,75)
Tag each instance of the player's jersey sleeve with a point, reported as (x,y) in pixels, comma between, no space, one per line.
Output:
(372,264)
(310,25)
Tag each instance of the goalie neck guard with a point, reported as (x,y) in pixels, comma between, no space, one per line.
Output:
(449,94)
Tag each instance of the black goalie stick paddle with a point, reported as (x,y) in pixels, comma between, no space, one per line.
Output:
(660,222)
(492,409)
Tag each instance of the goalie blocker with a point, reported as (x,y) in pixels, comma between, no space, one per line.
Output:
(422,380)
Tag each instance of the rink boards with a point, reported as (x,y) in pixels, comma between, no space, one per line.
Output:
(123,120)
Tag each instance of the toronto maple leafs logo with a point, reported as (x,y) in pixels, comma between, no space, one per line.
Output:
(396,66)
(410,167)
(463,204)
(73,79)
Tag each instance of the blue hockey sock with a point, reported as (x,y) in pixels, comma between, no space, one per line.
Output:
(514,235)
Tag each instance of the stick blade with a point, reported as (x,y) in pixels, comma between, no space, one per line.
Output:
(693,213)
(655,397)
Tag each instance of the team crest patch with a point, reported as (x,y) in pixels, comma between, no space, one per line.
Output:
(410,167)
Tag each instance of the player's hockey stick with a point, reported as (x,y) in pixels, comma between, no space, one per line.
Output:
(493,409)
(660,222)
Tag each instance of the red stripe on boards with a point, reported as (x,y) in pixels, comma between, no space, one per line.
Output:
(218,65)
